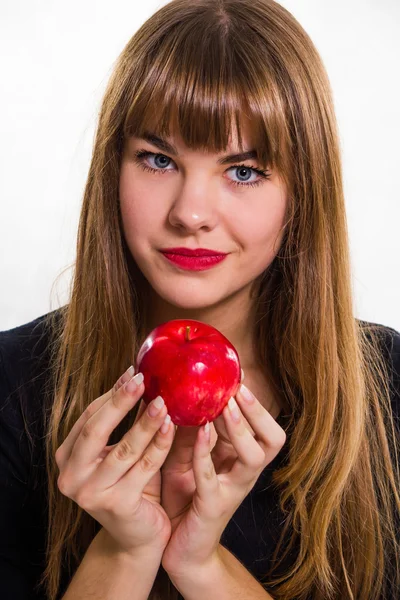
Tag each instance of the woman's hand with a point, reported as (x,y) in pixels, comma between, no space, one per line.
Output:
(203,487)
(119,485)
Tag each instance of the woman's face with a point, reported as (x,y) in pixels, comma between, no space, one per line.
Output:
(194,201)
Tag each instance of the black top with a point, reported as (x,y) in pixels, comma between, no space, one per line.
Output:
(251,534)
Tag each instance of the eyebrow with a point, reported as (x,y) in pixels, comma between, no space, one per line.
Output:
(167,147)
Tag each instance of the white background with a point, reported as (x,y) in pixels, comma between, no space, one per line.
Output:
(56,58)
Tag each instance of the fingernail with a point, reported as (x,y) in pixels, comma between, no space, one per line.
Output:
(165,426)
(242,375)
(129,373)
(247,395)
(134,383)
(234,410)
(155,406)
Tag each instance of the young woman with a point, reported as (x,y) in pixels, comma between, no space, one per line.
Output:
(217,131)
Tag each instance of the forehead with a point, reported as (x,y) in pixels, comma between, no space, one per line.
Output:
(175,141)
(248,137)
(215,130)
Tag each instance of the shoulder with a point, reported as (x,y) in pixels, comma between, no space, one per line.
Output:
(22,347)
(25,355)
(24,366)
(24,372)
(388,341)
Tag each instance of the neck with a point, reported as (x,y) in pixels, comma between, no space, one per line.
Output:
(234,320)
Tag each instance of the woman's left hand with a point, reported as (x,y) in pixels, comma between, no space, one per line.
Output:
(203,485)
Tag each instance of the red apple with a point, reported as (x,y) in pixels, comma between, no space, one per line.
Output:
(192,366)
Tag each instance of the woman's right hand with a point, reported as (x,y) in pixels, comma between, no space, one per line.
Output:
(119,485)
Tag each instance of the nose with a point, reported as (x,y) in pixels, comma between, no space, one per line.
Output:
(195,208)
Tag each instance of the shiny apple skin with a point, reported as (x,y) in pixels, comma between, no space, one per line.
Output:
(193,366)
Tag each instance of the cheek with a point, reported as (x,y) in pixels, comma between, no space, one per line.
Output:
(137,208)
(261,229)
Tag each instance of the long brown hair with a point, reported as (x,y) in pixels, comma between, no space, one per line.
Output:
(199,64)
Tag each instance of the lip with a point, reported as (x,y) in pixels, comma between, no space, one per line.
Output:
(194,263)
(193,251)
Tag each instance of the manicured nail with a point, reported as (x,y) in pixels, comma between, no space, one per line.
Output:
(207,431)
(165,426)
(134,383)
(155,406)
(129,373)
(242,375)
(234,410)
(247,395)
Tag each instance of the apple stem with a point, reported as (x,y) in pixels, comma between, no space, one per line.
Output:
(187,332)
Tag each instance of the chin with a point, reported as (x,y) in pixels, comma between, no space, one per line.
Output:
(188,291)
(186,297)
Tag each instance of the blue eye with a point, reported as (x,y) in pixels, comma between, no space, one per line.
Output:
(141,155)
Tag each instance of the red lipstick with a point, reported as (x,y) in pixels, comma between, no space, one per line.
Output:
(198,259)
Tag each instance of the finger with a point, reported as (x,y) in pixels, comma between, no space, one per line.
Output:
(213,435)
(207,483)
(267,430)
(97,429)
(133,449)
(107,449)
(64,451)
(220,425)
(138,477)
(253,453)
(223,436)
(140,411)
(221,443)
(180,456)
